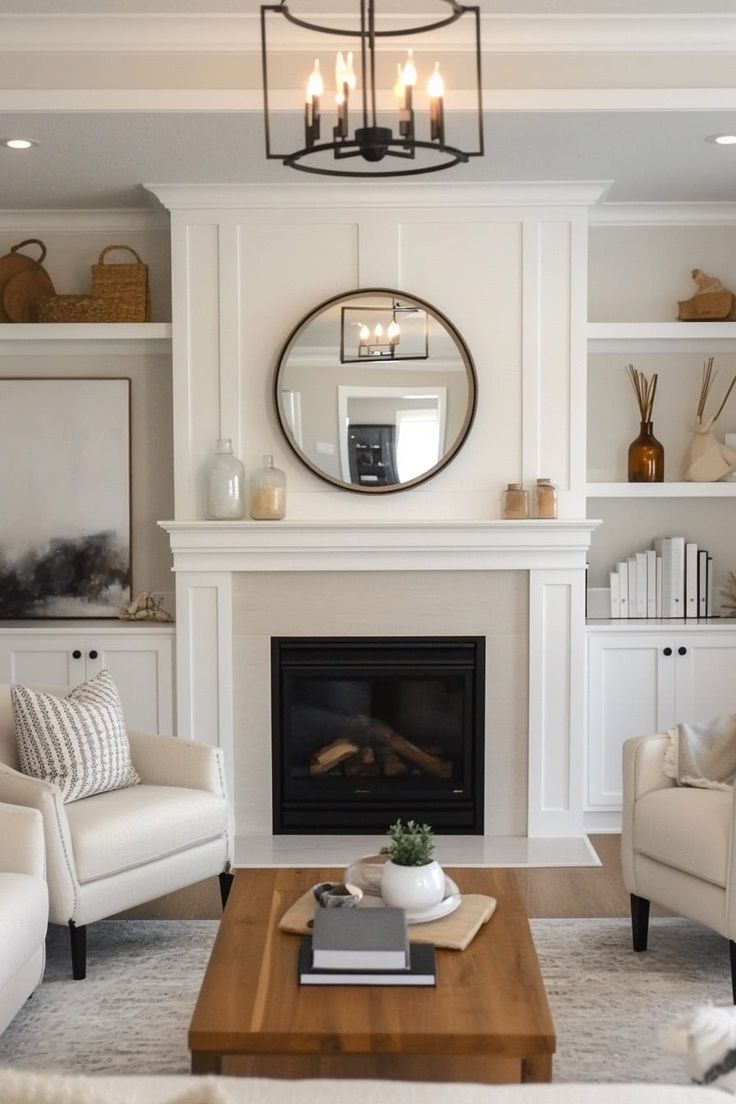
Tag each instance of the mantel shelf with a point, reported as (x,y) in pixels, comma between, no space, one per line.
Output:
(84,338)
(661,490)
(661,337)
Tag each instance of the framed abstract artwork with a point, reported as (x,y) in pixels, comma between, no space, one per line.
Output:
(65,507)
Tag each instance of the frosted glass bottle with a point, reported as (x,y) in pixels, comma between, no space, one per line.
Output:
(225,484)
(268,492)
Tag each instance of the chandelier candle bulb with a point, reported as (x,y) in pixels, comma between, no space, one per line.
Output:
(436,92)
(315,89)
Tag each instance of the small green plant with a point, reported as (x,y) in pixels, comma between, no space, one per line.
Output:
(411,844)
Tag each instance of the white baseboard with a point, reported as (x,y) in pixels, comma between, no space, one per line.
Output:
(602,822)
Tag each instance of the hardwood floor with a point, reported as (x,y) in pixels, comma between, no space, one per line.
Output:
(547,892)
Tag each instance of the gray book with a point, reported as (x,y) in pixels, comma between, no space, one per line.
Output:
(360,939)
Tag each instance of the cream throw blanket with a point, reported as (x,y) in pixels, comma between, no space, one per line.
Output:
(703,754)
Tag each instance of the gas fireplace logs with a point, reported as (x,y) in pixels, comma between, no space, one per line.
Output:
(374,749)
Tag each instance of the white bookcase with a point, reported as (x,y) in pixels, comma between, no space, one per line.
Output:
(645,676)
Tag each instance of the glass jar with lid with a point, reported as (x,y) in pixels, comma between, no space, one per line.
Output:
(515,502)
(267,492)
(545,499)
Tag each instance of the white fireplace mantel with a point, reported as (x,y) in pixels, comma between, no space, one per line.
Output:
(378,545)
(208,554)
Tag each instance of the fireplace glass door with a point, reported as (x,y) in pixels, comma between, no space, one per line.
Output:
(366,730)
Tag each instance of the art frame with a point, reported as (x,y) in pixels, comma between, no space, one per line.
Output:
(65,497)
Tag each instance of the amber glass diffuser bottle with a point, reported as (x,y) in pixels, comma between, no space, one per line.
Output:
(646,454)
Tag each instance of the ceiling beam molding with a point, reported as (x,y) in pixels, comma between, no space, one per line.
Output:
(217,198)
(549,100)
(663,214)
(223,33)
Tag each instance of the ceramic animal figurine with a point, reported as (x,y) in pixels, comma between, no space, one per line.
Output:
(711,302)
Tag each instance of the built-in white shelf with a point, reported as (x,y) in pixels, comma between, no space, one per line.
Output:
(84,338)
(661,337)
(661,490)
(656,624)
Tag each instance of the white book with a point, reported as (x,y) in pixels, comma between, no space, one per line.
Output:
(702,583)
(672,551)
(659,587)
(622,570)
(651,557)
(677,577)
(691,579)
(632,586)
(709,596)
(641,584)
(614,583)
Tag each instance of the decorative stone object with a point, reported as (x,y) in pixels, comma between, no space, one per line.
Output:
(711,302)
(145,607)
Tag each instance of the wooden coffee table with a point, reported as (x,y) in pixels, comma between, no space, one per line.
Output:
(488,1019)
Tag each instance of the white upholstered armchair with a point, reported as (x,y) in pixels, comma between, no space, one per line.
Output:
(118,849)
(24,907)
(677,846)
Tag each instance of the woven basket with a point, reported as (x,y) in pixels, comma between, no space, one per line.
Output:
(14,264)
(124,287)
(72,308)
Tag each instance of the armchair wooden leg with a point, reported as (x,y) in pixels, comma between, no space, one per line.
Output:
(639,922)
(78,941)
(732,955)
(226,884)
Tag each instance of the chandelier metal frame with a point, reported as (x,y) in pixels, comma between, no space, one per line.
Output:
(372,141)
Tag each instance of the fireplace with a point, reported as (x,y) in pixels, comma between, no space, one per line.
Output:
(367,729)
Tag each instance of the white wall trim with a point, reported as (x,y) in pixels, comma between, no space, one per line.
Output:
(232,33)
(79,219)
(354,195)
(664,214)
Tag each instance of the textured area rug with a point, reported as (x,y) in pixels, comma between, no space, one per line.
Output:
(132,1013)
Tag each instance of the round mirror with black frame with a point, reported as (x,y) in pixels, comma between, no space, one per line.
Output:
(375,391)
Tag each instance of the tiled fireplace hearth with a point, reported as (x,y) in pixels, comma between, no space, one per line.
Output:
(518,586)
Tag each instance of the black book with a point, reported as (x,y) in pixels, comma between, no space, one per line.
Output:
(422,970)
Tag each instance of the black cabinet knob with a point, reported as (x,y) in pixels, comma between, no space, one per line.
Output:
(93,654)
(667,651)
(682,651)
(76,654)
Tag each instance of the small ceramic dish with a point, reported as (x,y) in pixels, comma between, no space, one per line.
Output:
(337,895)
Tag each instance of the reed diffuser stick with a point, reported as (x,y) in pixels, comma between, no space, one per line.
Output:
(644,390)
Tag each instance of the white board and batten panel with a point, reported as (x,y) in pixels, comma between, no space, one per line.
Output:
(507,265)
(140,660)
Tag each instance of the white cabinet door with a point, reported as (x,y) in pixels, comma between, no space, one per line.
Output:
(140,661)
(39,660)
(631,692)
(705,666)
(141,668)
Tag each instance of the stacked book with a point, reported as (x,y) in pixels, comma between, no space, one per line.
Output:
(368,946)
(673,578)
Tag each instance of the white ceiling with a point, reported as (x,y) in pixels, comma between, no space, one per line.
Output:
(101,160)
(513,7)
(87,157)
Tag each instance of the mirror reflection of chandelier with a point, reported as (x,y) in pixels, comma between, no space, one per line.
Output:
(376,333)
(369,136)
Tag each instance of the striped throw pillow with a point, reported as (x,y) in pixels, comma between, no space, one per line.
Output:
(79,743)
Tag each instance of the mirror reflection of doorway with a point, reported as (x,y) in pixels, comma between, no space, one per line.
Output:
(390,435)
(372,454)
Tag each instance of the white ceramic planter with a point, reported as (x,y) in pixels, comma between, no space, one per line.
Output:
(412,887)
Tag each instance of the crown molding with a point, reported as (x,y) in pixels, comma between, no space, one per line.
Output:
(241,100)
(81,219)
(664,214)
(227,33)
(225,197)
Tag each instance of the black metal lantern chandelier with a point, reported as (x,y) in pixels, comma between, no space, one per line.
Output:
(386,135)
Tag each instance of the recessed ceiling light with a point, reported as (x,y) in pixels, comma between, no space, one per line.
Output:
(18,143)
(722,139)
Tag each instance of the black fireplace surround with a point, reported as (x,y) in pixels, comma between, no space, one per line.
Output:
(368,729)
